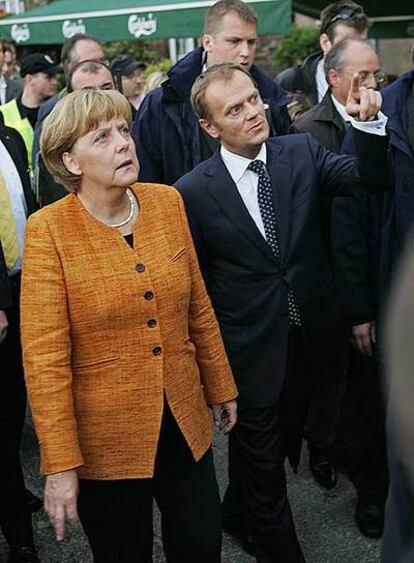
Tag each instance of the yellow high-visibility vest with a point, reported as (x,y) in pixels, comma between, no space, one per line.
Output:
(12,118)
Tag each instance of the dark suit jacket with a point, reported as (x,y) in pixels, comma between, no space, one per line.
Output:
(17,150)
(246,283)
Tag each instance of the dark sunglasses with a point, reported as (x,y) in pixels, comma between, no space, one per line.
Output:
(347,14)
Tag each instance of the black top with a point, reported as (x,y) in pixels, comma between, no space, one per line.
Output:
(30,113)
(130,239)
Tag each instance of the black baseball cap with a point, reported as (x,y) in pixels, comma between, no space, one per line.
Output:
(38,62)
(125,64)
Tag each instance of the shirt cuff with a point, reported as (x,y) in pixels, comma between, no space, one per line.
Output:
(376,127)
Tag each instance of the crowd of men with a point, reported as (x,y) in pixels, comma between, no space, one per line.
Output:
(297,243)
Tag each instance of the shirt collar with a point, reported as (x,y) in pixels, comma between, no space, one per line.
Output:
(341,109)
(237,164)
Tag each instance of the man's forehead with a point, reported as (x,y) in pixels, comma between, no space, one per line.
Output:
(357,55)
(85,47)
(82,80)
(230,90)
(234,25)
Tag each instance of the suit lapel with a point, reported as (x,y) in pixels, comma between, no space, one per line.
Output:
(223,189)
(282,192)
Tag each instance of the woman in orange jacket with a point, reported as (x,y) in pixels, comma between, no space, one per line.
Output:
(122,351)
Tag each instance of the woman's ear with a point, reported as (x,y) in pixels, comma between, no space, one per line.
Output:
(71,164)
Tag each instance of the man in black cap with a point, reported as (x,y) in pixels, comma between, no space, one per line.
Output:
(128,74)
(38,74)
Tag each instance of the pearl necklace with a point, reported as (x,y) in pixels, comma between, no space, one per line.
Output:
(130,215)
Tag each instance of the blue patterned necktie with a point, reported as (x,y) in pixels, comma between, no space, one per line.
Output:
(270,224)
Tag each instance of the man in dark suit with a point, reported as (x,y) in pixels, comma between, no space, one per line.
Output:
(355,254)
(255,213)
(16,203)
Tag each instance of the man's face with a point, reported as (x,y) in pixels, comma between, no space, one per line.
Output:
(359,59)
(8,63)
(43,85)
(86,50)
(341,31)
(234,41)
(237,115)
(132,83)
(101,80)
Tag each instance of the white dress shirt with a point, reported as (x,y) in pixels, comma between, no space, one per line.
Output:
(18,203)
(246,181)
(321,83)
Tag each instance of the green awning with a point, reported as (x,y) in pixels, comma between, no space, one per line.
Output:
(116,20)
(388,19)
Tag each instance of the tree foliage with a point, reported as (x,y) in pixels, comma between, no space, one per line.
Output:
(295,46)
(139,50)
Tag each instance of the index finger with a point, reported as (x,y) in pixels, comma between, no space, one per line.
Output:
(354,89)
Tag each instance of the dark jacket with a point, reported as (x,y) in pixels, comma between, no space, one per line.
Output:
(352,226)
(166,129)
(399,201)
(302,79)
(324,123)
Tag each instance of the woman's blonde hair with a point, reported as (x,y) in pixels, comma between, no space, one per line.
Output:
(75,115)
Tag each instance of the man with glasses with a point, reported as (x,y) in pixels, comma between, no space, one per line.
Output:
(338,21)
(355,257)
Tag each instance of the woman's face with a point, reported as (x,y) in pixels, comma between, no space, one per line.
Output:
(104,157)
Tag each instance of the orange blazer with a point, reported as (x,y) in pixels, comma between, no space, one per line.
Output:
(107,330)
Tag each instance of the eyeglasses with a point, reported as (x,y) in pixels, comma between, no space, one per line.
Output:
(344,15)
(364,75)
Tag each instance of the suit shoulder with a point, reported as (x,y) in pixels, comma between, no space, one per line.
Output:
(291,142)
(193,179)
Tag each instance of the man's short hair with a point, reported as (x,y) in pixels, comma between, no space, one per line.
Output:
(336,58)
(345,12)
(87,67)
(74,116)
(68,48)
(222,71)
(218,10)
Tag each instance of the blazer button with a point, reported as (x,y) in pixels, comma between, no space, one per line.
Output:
(148,295)
(152,323)
(157,351)
(140,268)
